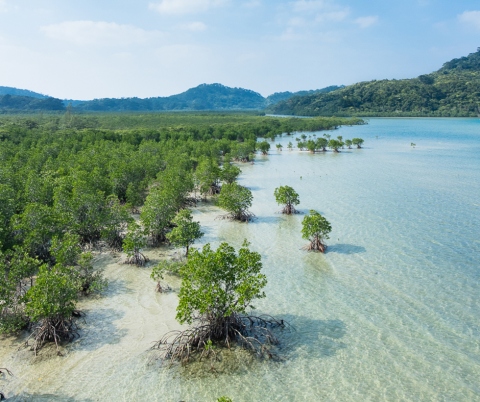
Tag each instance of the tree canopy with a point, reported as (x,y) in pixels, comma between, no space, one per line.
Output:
(236,199)
(186,231)
(287,196)
(315,228)
(449,92)
(217,284)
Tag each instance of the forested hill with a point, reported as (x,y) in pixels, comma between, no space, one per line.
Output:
(20,92)
(26,104)
(280,96)
(202,97)
(453,90)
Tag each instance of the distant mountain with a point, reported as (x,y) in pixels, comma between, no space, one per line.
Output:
(20,92)
(453,90)
(202,97)
(280,96)
(18,104)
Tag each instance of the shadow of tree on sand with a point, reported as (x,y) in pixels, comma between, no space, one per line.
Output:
(345,249)
(99,329)
(311,337)
(27,397)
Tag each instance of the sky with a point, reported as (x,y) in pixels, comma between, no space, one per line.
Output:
(104,48)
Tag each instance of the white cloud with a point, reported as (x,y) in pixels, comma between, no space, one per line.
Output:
(290,34)
(309,5)
(296,22)
(321,10)
(335,16)
(196,26)
(365,22)
(97,33)
(471,18)
(252,4)
(185,6)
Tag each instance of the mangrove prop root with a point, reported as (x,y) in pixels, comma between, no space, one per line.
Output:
(137,259)
(243,216)
(315,245)
(162,287)
(249,332)
(53,329)
(289,210)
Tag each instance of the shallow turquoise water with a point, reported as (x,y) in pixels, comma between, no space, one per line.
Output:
(389,313)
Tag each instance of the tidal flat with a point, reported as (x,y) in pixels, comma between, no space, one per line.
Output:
(389,313)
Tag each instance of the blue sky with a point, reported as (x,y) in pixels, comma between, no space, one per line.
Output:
(103,48)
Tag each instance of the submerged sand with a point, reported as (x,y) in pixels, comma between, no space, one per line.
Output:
(120,324)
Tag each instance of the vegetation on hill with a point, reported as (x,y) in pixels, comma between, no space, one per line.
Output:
(280,96)
(25,104)
(454,90)
(20,92)
(202,97)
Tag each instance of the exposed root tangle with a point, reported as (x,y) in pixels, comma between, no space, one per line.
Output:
(138,259)
(249,332)
(316,245)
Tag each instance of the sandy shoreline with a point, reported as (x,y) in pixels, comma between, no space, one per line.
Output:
(120,324)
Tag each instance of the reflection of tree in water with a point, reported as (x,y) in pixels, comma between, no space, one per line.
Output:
(313,338)
(27,397)
(346,249)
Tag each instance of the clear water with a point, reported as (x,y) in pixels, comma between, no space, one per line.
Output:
(389,313)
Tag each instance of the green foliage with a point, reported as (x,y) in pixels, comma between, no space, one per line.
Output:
(54,295)
(157,213)
(134,240)
(311,145)
(116,222)
(315,228)
(451,91)
(348,143)
(35,227)
(208,175)
(89,279)
(287,196)
(335,144)
(202,97)
(162,268)
(235,199)
(166,266)
(217,284)
(357,141)
(263,146)
(67,253)
(7,210)
(18,103)
(186,231)
(229,172)
(321,143)
(17,270)
(66,250)
(224,399)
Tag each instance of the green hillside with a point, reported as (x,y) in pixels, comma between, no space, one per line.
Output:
(280,96)
(25,104)
(454,90)
(20,92)
(202,97)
